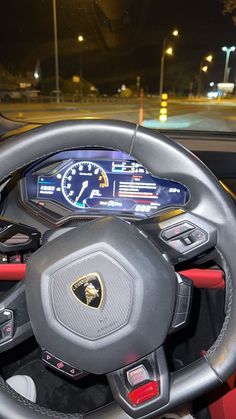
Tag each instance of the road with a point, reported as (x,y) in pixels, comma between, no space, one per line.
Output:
(182,114)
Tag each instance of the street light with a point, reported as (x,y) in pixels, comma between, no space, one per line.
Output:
(175,32)
(56,51)
(203,69)
(209,58)
(228,51)
(37,71)
(168,51)
(80,40)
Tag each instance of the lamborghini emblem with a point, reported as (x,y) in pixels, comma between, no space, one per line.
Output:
(88,290)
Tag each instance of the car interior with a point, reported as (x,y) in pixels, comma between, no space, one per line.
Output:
(118,209)
(117,271)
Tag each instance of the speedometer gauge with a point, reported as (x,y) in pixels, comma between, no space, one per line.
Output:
(83,180)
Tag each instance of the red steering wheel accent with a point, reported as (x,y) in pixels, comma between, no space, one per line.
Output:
(202,278)
(12,272)
(206,278)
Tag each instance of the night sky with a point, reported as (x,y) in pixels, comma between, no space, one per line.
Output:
(120,43)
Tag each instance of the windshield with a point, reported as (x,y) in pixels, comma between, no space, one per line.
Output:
(163,64)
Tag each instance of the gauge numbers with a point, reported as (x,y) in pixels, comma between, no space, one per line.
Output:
(83,180)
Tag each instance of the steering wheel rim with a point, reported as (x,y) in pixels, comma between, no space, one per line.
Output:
(163,158)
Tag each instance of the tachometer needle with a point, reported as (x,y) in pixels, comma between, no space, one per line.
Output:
(84,186)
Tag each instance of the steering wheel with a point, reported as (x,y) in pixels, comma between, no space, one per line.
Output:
(138,287)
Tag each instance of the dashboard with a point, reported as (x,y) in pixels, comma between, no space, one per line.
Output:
(87,183)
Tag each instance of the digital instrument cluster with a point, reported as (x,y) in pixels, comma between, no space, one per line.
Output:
(97,182)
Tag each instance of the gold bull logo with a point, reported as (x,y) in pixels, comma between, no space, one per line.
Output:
(90,292)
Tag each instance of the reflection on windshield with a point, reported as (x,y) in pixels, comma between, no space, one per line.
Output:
(164,66)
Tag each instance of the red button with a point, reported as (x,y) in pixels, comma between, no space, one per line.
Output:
(145,392)
(60,365)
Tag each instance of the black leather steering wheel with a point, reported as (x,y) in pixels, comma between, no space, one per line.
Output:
(124,254)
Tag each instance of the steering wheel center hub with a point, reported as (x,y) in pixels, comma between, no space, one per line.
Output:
(99,300)
(86,297)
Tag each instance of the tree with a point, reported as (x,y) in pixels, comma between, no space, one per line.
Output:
(229,6)
(178,78)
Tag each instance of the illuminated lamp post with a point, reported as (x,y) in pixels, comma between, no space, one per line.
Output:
(203,69)
(80,40)
(168,51)
(227,51)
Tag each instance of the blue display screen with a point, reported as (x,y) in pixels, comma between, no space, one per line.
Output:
(101,181)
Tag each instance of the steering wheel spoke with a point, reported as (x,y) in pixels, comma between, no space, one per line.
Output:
(142,388)
(182,304)
(15,324)
(181,235)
